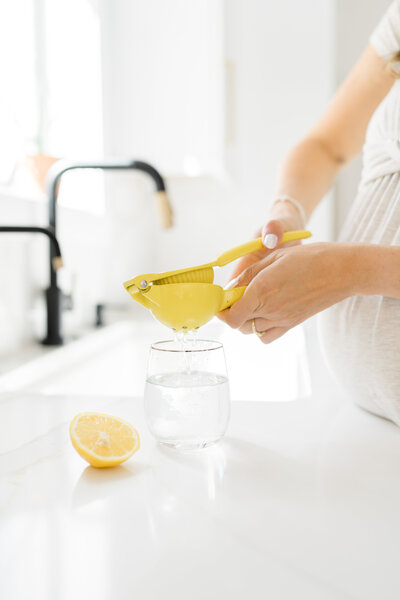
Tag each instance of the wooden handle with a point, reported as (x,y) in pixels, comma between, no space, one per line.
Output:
(57,262)
(164,209)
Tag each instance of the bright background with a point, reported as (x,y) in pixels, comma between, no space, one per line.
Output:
(212,92)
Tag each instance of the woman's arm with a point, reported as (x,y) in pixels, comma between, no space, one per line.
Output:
(310,168)
(291,284)
(378,270)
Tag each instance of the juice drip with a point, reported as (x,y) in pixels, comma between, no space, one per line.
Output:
(194,333)
(187,340)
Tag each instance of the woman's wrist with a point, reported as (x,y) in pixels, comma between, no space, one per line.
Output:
(288,213)
(290,201)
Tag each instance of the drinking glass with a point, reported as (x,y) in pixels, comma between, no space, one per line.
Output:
(187,403)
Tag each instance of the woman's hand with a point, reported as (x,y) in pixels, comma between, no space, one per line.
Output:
(290,285)
(284,218)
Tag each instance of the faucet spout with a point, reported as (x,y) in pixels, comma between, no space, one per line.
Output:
(110,164)
(53,293)
(57,261)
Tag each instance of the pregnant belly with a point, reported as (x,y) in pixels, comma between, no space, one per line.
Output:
(360,338)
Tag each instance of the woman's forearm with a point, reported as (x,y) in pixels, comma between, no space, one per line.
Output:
(292,284)
(376,270)
(306,174)
(311,167)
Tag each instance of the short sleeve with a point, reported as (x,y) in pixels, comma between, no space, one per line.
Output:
(385,39)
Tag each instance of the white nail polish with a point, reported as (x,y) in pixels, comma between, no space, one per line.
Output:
(231,283)
(270,240)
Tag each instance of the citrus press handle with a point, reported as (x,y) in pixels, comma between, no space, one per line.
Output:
(229,297)
(257,244)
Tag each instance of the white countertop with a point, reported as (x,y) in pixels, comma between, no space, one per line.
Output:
(299,501)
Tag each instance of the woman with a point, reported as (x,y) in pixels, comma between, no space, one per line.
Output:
(355,281)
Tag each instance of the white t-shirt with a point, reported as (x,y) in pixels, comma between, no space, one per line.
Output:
(360,336)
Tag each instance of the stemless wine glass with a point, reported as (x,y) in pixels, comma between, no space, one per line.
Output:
(187,403)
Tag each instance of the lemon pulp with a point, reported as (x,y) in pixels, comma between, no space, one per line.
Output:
(103,440)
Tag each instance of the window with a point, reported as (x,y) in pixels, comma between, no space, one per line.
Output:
(18,99)
(52,100)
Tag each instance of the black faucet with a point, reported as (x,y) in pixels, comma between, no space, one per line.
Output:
(56,260)
(53,293)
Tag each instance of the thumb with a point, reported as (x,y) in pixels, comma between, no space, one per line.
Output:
(271,234)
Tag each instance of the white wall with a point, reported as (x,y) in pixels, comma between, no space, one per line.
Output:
(162,81)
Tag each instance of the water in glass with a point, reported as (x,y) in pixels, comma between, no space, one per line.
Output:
(188,407)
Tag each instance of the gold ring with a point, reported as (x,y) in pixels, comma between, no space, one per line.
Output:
(253,326)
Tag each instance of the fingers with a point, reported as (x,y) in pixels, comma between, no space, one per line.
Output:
(256,298)
(245,262)
(272,233)
(244,274)
(242,265)
(245,277)
(269,332)
(240,312)
(261,325)
(273,334)
(251,304)
(265,328)
(249,273)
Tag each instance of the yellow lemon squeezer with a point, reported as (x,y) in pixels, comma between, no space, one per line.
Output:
(187,298)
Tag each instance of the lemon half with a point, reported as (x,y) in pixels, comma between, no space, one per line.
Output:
(103,440)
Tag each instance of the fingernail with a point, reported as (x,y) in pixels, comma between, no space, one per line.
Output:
(231,283)
(270,240)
